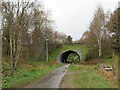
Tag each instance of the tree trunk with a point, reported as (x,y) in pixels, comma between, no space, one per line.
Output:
(11,49)
(99,46)
(18,50)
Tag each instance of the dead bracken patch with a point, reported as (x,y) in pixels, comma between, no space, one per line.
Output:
(109,73)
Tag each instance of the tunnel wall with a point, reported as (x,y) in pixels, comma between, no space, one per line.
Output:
(64,54)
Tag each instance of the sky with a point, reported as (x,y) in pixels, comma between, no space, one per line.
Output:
(73,17)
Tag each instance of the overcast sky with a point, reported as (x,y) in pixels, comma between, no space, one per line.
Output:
(73,16)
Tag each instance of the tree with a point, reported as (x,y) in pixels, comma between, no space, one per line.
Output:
(97,27)
(14,23)
(60,37)
(97,37)
(69,38)
(114,28)
(37,34)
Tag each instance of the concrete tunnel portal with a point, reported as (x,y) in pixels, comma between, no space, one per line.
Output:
(63,56)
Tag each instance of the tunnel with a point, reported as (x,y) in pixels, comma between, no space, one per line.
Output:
(63,56)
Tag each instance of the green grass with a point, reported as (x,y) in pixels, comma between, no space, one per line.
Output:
(28,73)
(92,79)
(74,68)
(53,56)
(89,79)
(110,61)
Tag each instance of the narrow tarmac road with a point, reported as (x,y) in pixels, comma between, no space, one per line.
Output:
(51,80)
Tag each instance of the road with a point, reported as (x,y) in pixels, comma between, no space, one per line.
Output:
(51,80)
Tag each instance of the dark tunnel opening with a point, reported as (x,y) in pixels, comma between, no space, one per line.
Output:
(64,56)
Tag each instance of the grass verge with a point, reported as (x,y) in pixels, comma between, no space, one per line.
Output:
(89,79)
(28,73)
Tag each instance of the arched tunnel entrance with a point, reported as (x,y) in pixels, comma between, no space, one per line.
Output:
(64,56)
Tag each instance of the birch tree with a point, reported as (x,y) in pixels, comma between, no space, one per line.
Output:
(98,36)
(15,21)
(97,27)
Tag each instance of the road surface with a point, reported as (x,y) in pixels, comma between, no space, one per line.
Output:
(51,80)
